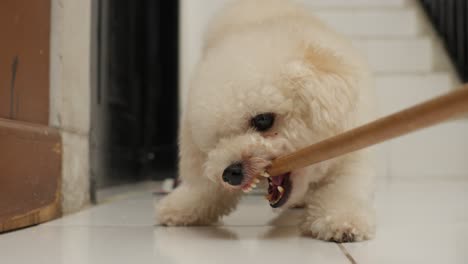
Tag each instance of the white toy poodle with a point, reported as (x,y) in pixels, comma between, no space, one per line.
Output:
(272,80)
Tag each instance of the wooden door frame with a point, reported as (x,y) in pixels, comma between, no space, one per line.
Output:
(69,108)
(30,150)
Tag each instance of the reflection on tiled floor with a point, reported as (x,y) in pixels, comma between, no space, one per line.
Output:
(418,223)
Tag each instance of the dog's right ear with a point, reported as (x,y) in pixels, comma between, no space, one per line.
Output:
(325,61)
(323,85)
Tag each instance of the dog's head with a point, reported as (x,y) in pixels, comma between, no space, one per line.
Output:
(245,109)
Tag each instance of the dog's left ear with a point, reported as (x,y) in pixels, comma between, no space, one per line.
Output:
(324,86)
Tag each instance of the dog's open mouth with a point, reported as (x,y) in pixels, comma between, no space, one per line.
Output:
(279,188)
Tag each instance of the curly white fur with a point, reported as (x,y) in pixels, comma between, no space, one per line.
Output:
(271,56)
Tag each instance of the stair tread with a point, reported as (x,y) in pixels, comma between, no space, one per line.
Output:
(400,55)
(396,92)
(439,150)
(355,3)
(372,22)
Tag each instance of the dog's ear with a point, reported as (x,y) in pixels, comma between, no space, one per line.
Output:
(324,87)
(324,61)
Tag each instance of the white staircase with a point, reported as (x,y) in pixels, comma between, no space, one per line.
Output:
(409,64)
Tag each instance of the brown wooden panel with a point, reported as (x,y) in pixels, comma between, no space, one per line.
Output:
(24,60)
(30,173)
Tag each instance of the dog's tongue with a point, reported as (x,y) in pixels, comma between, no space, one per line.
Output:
(277,180)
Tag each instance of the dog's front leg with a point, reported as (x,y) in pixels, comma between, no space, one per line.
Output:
(198,200)
(341,210)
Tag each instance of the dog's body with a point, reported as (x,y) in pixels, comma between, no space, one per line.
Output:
(270,56)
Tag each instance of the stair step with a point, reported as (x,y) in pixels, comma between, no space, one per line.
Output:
(396,92)
(433,152)
(397,55)
(379,22)
(354,3)
(439,151)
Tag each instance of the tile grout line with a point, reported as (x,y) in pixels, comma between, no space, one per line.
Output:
(346,253)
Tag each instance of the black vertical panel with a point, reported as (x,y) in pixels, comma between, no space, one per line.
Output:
(462,33)
(168,112)
(465,34)
(442,14)
(161,136)
(123,92)
(450,18)
(134,120)
(153,79)
(451,27)
(435,11)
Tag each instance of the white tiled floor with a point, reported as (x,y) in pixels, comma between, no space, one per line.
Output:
(418,223)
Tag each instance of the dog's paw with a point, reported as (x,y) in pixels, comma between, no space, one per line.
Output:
(337,229)
(169,213)
(174,217)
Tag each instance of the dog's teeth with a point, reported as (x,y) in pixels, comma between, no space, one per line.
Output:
(247,189)
(253,186)
(256,180)
(280,189)
(265,174)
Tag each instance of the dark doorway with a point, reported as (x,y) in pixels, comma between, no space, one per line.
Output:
(135,98)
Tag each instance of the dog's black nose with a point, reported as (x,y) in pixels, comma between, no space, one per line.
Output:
(233,174)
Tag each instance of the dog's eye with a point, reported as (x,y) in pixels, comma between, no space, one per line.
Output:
(263,122)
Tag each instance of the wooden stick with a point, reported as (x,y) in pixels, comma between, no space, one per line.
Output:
(409,120)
